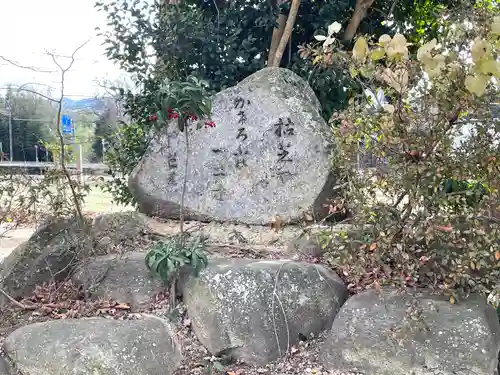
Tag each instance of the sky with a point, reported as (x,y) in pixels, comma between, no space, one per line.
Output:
(31,27)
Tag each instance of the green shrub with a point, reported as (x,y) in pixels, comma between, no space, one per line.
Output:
(422,220)
(127,146)
(167,258)
(461,192)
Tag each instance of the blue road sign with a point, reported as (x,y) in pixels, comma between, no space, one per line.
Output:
(67,124)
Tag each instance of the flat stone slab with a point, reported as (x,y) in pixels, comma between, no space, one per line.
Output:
(267,156)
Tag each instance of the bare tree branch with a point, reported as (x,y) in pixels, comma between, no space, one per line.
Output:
(287,32)
(59,134)
(39,94)
(63,71)
(71,57)
(18,65)
(18,304)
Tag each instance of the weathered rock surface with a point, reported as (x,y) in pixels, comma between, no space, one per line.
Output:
(5,368)
(311,243)
(57,247)
(94,346)
(45,256)
(268,155)
(124,279)
(123,229)
(370,333)
(254,310)
(306,245)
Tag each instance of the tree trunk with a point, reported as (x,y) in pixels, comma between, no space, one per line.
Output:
(292,15)
(359,14)
(277,35)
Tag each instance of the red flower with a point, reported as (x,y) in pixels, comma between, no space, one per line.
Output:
(171,114)
(209,124)
(192,117)
(153,117)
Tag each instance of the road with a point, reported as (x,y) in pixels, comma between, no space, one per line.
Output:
(11,239)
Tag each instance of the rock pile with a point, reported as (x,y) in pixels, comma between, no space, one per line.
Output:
(255,311)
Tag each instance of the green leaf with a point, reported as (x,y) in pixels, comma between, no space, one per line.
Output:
(218,366)
(377,54)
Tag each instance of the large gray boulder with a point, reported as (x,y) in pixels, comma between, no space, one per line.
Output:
(61,244)
(255,310)
(124,279)
(48,255)
(268,155)
(94,346)
(372,334)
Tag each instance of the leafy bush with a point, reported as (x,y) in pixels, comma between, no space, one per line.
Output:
(419,216)
(127,146)
(185,101)
(167,258)
(460,192)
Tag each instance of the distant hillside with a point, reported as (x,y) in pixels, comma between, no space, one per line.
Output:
(83,104)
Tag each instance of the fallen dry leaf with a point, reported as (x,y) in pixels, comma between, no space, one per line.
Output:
(423,259)
(491,159)
(308,217)
(373,246)
(332,209)
(122,306)
(277,223)
(497,255)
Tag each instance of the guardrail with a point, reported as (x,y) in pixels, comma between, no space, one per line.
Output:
(38,164)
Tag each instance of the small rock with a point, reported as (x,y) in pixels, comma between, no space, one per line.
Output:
(120,228)
(50,251)
(105,242)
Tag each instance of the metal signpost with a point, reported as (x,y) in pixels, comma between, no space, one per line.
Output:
(68,128)
(67,125)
